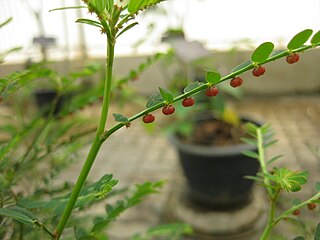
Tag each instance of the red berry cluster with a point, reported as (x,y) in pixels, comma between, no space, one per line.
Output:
(236,82)
(312,206)
(212,91)
(258,71)
(168,109)
(292,58)
(188,102)
(296,212)
(149,118)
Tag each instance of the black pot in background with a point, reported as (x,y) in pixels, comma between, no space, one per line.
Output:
(45,99)
(215,174)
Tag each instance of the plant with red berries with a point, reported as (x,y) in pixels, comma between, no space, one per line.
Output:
(258,71)
(113,19)
(292,58)
(212,91)
(168,109)
(188,102)
(236,82)
(277,180)
(149,118)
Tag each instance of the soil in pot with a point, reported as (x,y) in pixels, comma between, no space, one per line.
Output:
(45,100)
(214,165)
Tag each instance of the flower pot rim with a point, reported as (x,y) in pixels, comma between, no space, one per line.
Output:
(212,150)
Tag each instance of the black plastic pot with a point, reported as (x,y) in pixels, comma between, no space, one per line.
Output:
(45,100)
(215,175)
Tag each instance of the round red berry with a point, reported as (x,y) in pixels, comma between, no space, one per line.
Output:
(212,91)
(296,212)
(168,109)
(188,102)
(293,58)
(258,71)
(312,206)
(149,118)
(236,82)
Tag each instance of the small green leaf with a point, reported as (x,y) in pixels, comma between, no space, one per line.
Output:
(120,118)
(273,159)
(299,39)
(318,186)
(262,52)
(257,179)
(317,233)
(166,95)
(289,180)
(89,22)
(249,141)
(154,99)
(65,8)
(127,28)
(268,144)
(19,214)
(134,5)
(192,86)
(250,154)
(5,22)
(242,66)
(295,201)
(100,5)
(316,38)
(213,77)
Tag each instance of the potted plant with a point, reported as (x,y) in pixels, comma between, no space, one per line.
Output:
(210,141)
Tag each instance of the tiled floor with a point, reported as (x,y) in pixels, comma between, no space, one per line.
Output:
(134,156)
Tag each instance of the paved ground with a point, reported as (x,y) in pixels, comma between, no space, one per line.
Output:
(134,156)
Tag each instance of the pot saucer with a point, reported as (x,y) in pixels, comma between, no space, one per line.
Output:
(243,223)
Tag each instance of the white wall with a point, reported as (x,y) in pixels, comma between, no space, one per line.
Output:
(216,23)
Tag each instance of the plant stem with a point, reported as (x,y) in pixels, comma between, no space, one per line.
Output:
(272,198)
(269,226)
(95,145)
(202,87)
(295,207)
(263,163)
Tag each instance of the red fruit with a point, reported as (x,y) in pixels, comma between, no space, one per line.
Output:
(149,118)
(212,91)
(236,82)
(257,72)
(293,58)
(296,212)
(188,102)
(168,109)
(312,206)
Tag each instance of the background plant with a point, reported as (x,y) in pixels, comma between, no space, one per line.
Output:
(276,180)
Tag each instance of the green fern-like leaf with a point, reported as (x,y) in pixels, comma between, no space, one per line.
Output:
(288,180)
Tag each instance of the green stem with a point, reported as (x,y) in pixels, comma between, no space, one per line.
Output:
(295,207)
(269,226)
(95,145)
(262,163)
(272,197)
